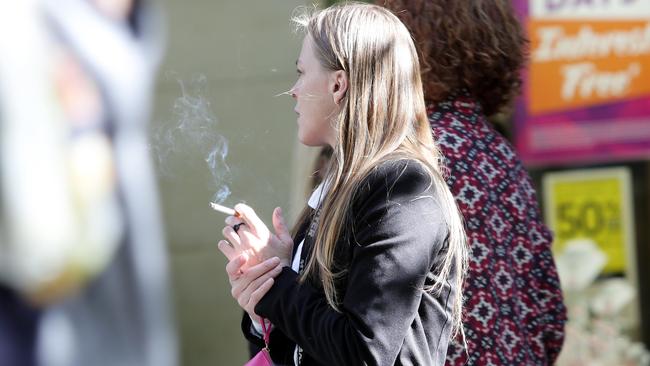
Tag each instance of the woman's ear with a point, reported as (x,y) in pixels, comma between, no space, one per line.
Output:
(338,85)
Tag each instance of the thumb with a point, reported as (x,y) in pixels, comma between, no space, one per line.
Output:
(280,226)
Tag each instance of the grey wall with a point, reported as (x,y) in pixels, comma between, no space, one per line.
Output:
(246,51)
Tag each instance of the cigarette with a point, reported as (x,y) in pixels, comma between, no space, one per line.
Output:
(224,209)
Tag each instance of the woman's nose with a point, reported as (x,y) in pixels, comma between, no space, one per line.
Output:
(292,91)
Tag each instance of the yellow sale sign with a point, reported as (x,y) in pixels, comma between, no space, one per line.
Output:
(593,204)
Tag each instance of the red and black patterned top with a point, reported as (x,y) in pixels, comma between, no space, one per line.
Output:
(514,313)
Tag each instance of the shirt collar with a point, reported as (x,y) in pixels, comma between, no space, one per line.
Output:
(318,195)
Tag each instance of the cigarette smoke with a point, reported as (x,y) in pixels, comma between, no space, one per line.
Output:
(191,136)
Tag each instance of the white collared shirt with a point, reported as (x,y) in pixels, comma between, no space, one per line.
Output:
(314,201)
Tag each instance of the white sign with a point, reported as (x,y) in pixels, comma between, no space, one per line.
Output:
(589,9)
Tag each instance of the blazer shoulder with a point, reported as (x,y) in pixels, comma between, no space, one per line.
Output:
(396,178)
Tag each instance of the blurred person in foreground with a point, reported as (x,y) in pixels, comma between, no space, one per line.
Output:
(471,54)
(83,276)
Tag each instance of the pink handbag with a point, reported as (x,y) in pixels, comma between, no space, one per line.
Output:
(262,358)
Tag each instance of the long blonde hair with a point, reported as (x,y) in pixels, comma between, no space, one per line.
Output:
(383,117)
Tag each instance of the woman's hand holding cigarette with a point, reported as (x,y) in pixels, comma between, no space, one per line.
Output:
(253,239)
(255,255)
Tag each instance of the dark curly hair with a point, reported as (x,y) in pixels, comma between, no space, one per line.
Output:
(476,45)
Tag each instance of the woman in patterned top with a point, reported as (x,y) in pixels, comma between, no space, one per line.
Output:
(380,254)
(471,54)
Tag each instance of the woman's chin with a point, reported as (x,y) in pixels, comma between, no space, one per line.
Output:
(310,142)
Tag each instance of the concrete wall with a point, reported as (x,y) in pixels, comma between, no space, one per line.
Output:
(246,52)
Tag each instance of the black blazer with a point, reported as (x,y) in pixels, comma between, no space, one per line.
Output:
(396,240)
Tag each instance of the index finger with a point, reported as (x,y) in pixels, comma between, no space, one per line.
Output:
(234,266)
(250,217)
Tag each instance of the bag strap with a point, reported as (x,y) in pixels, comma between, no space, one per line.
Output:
(267,332)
